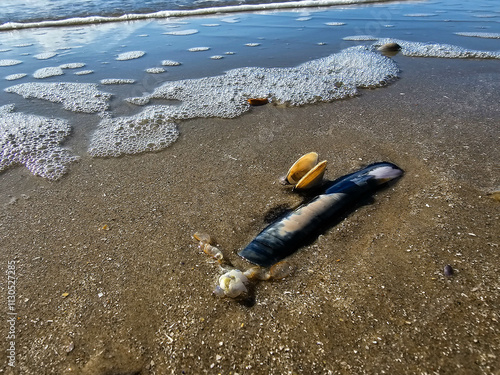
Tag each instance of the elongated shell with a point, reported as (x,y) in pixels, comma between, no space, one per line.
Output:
(284,236)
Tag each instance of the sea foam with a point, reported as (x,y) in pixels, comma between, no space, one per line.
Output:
(33,141)
(418,49)
(76,97)
(150,130)
(226,96)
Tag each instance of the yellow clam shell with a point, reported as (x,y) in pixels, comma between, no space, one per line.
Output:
(301,167)
(312,178)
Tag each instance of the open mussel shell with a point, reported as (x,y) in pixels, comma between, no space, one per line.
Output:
(313,178)
(301,167)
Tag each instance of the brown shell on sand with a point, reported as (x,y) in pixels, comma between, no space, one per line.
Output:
(258,101)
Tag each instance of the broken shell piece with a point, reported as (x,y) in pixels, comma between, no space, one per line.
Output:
(258,101)
(300,168)
(204,244)
(258,273)
(312,178)
(231,284)
(280,270)
(495,195)
(202,237)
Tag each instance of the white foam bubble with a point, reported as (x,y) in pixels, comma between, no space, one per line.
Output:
(216,57)
(252,44)
(230,19)
(418,49)
(13,77)
(480,35)
(484,15)
(48,72)
(335,23)
(116,81)
(155,70)
(34,141)
(360,37)
(76,97)
(84,72)
(130,55)
(170,63)
(198,49)
(182,32)
(72,66)
(9,62)
(149,130)
(45,55)
(420,15)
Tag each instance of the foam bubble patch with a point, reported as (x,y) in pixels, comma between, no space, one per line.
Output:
(148,131)
(48,72)
(33,141)
(480,35)
(130,55)
(226,96)
(76,97)
(9,62)
(418,49)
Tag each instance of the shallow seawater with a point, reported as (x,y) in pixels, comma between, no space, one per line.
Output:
(123,54)
(109,279)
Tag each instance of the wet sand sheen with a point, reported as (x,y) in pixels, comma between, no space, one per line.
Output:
(369,295)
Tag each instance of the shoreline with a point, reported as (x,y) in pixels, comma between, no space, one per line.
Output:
(165,14)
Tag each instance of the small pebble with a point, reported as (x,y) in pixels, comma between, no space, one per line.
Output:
(448,270)
(70,347)
(390,48)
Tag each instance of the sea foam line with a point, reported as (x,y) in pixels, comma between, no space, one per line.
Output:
(182,13)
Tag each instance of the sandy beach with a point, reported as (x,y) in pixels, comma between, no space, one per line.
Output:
(110,281)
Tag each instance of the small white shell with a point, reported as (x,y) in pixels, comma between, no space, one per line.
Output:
(233,283)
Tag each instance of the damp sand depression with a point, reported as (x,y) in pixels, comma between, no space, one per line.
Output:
(109,279)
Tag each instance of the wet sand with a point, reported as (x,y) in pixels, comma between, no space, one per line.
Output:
(109,280)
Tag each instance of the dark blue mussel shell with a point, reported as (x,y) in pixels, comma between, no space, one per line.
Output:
(295,229)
